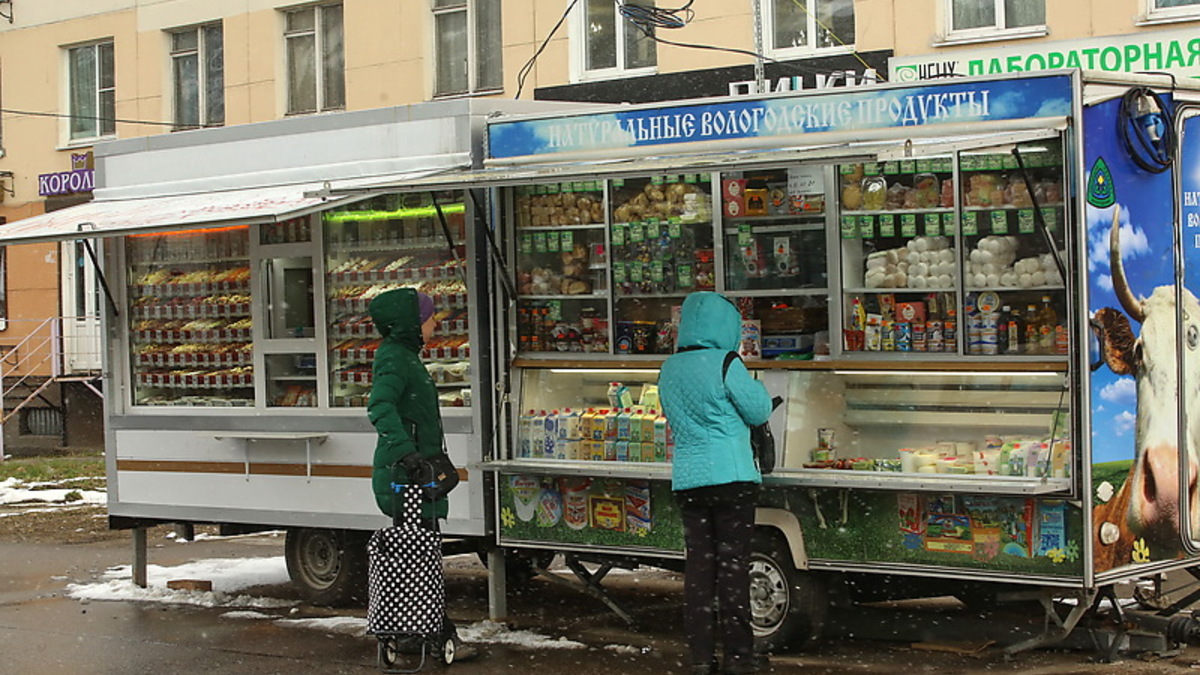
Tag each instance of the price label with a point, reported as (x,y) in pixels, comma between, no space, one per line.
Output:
(887,225)
(673,228)
(849,227)
(970,223)
(618,234)
(656,272)
(1025,222)
(684,272)
(745,234)
(866,227)
(933,225)
(1050,216)
(908,166)
(891,168)
(908,225)
(999,222)
(526,243)
(635,272)
(924,166)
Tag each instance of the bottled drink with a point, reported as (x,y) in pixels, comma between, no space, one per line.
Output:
(1016,331)
(1032,343)
(1002,333)
(1047,324)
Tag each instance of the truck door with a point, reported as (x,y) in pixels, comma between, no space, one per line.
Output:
(1187,212)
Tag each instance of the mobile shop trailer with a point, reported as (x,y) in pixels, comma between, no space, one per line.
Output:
(238,348)
(974,296)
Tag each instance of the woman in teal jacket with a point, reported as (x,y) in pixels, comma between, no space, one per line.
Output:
(711,409)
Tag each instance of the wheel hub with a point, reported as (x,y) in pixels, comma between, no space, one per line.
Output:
(768,595)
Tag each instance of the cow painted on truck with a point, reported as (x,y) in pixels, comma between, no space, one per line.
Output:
(1148,506)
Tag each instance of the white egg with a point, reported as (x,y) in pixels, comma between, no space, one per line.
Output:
(920,269)
(912,245)
(947,255)
(892,256)
(975,255)
(945,281)
(917,282)
(993,280)
(1038,278)
(902,266)
(979,281)
(990,269)
(901,280)
(1024,280)
(901,252)
(1008,279)
(986,256)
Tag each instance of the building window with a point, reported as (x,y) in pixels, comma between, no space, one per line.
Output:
(808,26)
(1167,9)
(467,33)
(991,16)
(93,91)
(316,64)
(612,45)
(198,66)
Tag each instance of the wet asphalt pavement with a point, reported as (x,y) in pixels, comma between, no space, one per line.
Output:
(42,631)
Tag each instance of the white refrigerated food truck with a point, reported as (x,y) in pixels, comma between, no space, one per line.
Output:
(973,295)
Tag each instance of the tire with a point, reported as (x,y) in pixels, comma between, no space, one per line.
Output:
(328,567)
(448,651)
(787,606)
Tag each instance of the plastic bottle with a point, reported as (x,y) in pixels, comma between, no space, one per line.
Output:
(525,434)
(1002,329)
(551,422)
(537,434)
(950,331)
(1047,323)
(624,417)
(635,425)
(660,438)
(1016,330)
(1032,342)
(569,424)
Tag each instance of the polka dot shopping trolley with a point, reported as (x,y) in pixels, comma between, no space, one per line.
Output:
(406,594)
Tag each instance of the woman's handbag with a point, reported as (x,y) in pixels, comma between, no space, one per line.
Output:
(762,441)
(436,475)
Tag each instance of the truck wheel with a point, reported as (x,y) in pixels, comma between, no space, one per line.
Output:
(329,567)
(787,606)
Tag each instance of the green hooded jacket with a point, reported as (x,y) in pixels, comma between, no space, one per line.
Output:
(404,403)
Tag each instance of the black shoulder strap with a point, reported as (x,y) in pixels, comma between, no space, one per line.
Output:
(730,357)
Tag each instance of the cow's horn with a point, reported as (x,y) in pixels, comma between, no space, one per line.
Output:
(1132,305)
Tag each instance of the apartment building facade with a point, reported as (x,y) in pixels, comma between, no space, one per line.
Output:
(76,72)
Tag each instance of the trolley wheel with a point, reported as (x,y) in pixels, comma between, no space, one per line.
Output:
(329,567)
(448,650)
(787,606)
(387,653)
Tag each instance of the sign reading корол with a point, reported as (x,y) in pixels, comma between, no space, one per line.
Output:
(1176,52)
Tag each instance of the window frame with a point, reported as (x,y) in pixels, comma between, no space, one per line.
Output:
(473,18)
(768,29)
(104,121)
(203,54)
(579,39)
(1155,13)
(996,31)
(318,65)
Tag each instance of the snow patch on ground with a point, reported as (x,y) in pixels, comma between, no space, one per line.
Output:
(16,491)
(228,576)
(491,632)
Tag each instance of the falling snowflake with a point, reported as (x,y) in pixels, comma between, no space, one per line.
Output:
(507,518)
(1141,552)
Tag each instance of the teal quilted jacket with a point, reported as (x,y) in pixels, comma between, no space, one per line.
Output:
(711,416)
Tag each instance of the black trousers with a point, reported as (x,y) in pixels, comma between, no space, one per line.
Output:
(718,525)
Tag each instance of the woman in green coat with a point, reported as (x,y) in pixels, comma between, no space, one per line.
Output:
(404,403)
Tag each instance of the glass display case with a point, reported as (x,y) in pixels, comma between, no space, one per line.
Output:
(562,267)
(190,325)
(965,262)
(662,249)
(389,242)
(774,227)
